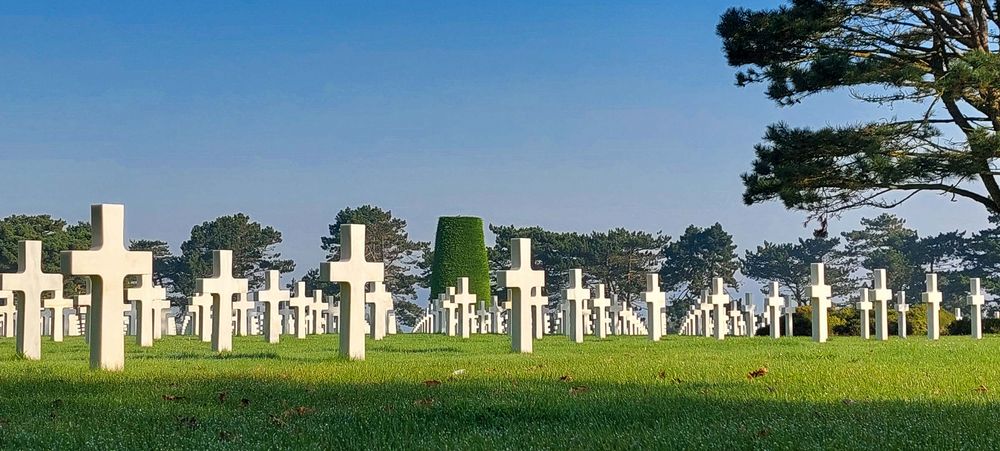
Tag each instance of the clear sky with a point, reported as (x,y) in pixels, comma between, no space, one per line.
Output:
(569,115)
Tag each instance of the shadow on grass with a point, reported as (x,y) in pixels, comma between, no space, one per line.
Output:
(221,356)
(246,412)
(430,350)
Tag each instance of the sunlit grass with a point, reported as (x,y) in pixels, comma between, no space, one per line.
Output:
(432,392)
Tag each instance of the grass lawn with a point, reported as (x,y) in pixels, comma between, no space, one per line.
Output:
(433,392)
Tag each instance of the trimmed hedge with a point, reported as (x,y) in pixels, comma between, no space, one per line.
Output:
(460,251)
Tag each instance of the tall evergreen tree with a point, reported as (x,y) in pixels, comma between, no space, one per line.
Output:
(691,262)
(939,56)
(789,263)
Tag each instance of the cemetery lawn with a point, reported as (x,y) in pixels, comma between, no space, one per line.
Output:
(433,392)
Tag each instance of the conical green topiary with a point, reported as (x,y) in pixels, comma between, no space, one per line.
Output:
(460,251)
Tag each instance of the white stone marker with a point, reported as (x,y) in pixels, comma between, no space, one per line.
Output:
(202,318)
(958,313)
(272,296)
(333,315)
(450,312)
(901,308)
(31,282)
(519,281)
(58,306)
(599,305)
(81,303)
(299,303)
(656,301)
(976,300)
(464,300)
(819,293)
(222,287)
(749,315)
(316,309)
(719,299)
(161,311)
(932,297)
(615,311)
(790,318)
(143,298)
(107,263)
(706,308)
(353,273)
(881,294)
(774,304)
(482,319)
(242,310)
(576,296)
(865,308)
(7,310)
(381,302)
(734,318)
(496,316)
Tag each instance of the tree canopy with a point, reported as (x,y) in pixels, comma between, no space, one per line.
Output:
(939,56)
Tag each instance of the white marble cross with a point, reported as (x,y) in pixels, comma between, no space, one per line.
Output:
(353,273)
(242,310)
(749,315)
(656,301)
(299,303)
(706,309)
(734,318)
(482,319)
(7,310)
(599,306)
(576,297)
(616,312)
(901,308)
(222,287)
(718,299)
(202,316)
(932,298)
(819,294)
(976,299)
(465,300)
(107,263)
(381,302)
(332,315)
(865,308)
(519,281)
(272,296)
(316,309)
(496,316)
(31,282)
(58,305)
(450,312)
(881,295)
(774,304)
(144,297)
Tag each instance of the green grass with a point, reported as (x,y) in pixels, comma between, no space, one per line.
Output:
(624,392)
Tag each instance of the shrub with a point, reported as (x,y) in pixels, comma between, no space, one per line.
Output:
(460,251)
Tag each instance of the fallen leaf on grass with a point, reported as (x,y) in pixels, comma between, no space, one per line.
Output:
(188,422)
(763,433)
(244,402)
(173,398)
(848,401)
(426,402)
(981,389)
(222,396)
(661,375)
(759,372)
(432,383)
(226,436)
(299,411)
(578,390)
(566,378)
(277,421)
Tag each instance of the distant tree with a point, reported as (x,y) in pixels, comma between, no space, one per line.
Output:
(940,56)
(386,241)
(691,262)
(252,245)
(165,264)
(553,252)
(621,258)
(56,236)
(789,265)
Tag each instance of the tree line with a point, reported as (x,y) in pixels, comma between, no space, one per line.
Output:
(618,258)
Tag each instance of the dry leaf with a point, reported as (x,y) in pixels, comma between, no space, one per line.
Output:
(578,390)
(244,402)
(426,402)
(566,378)
(982,388)
(661,375)
(759,372)
(432,383)
(848,401)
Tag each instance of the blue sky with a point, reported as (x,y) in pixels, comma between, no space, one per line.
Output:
(570,115)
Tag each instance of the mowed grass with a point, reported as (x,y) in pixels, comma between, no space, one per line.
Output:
(623,392)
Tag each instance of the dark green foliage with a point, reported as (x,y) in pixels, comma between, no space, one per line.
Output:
(690,263)
(252,245)
(165,264)
(56,236)
(386,241)
(618,258)
(939,56)
(460,251)
(788,264)
(964,326)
